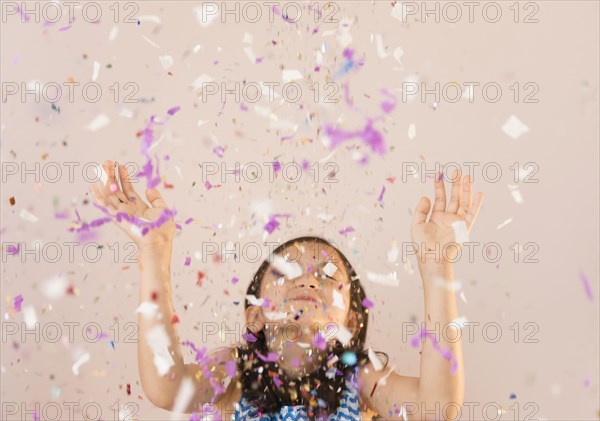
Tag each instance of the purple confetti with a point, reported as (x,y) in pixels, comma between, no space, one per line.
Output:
(234,280)
(367,303)
(380,198)
(230,368)
(272,357)
(218,150)
(207,185)
(586,285)
(347,230)
(249,337)
(12,249)
(17,302)
(319,341)
(188,260)
(173,110)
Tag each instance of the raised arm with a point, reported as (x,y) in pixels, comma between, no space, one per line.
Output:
(160,360)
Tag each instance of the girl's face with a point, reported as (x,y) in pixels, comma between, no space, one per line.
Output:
(308,284)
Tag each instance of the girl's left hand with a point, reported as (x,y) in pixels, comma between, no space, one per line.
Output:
(435,239)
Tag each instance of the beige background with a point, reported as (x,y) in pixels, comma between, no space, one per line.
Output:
(559,213)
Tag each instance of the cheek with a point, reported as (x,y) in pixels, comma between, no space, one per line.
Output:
(275,291)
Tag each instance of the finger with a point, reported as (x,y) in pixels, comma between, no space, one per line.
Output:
(112,185)
(128,189)
(155,198)
(439,204)
(456,194)
(101,199)
(421,211)
(467,199)
(474,211)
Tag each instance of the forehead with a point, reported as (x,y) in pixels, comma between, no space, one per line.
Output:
(311,252)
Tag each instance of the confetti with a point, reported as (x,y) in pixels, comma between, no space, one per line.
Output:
(148,309)
(346,230)
(343,335)
(97,123)
(96,70)
(17,302)
(25,215)
(290,75)
(185,393)
(82,360)
(338,300)
(367,303)
(508,221)
(461,232)
(166,61)
(586,286)
(159,342)
(383,279)
(188,260)
(320,341)
(29,317)
(377,364)
(514,128)
(349,358)
(55,287)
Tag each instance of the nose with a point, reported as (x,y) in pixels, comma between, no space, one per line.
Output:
(307,280)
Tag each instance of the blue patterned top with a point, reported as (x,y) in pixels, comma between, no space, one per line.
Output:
(349,409)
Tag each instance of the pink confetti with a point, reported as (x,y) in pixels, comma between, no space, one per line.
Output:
(173,110)
(188,260)
(277,381)
(234,280)
(347,230)
(273,223)
(207,185)
(12,249)
(230,367)
(586,285)
(446,352)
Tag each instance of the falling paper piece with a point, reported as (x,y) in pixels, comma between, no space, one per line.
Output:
(412,131)
(399,12)
(126,112)
(289,75)
(343,335)
(113,33)
(380,48)
(96,70)
(98,122)
(82,360)
(586,286)
(291,270)
(254,301)
(459,322)
(166,61)
(184,396)
(398,52)
(200,80)
(148,309)
(29,317)
(461,232)
(393,253)
(514,127)
(338,300)
(150,42)
(508,221)
(387,279)
(330,269)
(206,13)
(24,214)
(159,342)
(516,194)
(377,364)
(55,287)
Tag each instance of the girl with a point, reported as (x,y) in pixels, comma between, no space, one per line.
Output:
(303,355)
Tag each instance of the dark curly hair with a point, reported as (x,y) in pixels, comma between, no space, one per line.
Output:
(321,391)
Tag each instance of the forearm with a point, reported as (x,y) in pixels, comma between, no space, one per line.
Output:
(155,288)
(441,380)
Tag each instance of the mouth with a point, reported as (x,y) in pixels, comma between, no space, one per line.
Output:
(305,298)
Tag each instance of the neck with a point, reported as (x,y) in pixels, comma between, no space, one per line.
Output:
(298,356)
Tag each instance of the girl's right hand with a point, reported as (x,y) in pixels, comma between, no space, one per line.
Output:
(127,200)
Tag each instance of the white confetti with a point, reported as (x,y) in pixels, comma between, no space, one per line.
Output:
(200,80)
(412,131)
(398,52)
(202,122)
(248,38)
(148,309)
(276,315)
(291,270)
(166,61)
(458,323)
(508,221)
(392,255)
(514,127)
(255,301)
(399,12)
(151,43)
(206,13)
(330,269)
(380,48)
(289,75)
(196,48)
(96,70)
(462,296)
(343,335)
(389,279)
(184,396)
(97,123)
(126,112)
(82,360)
(516,194)
(149,18)
(325,217)
(249,51)
(461,232)
(159,342)
(29,317)
(338,300)
(377,364)
(29,217)
(55,287)
(112,35)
